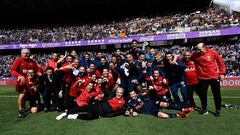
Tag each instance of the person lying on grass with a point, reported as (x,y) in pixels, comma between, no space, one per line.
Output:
(110,107)
(144,105)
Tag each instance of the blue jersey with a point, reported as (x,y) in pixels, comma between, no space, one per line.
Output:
(147,106)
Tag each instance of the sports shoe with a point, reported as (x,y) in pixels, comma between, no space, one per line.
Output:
(217,113)
(72,116)
(182,115)
(203,112)
(21,114)
(59,117)
(185,110)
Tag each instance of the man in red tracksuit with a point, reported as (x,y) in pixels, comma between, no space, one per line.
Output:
(210,69)
(30,88)
(76,88)
(110,107)
(19,70)
(108,80)
(53,61)
(91,91)
(190,75)
(92,70)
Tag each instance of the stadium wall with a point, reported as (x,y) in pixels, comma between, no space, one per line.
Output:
(231,82)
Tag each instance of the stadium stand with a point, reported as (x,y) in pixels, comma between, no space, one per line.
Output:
(212,18)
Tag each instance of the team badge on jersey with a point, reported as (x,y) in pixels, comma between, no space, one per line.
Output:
(208,58)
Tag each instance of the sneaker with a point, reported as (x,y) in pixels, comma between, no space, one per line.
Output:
(185,110)
(59,117)
(182,115)
(21,114)
(203,112)
(72,116)
(217,113)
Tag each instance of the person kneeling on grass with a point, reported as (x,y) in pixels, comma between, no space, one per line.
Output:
(113,106)
(29,87)
(90,92)
(158,88)
(143,104)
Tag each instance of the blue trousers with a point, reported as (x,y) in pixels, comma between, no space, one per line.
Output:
(174,89)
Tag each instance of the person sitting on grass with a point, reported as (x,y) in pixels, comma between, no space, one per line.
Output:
(158,88)
(110,107)
(144,105)
(90,92)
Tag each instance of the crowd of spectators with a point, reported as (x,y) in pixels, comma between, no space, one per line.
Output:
(228,52)
(199,20)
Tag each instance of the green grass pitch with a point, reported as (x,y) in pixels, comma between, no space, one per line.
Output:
(45,124)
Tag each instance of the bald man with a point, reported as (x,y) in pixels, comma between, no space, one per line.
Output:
(210,69)
(190,76)
(19,70)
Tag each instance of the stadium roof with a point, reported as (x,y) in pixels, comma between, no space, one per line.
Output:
(233,4)
(38,11)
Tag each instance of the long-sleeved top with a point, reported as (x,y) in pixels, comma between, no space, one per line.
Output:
(209,65)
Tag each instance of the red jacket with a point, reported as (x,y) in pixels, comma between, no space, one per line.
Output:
(68,77)
(29,87)
(116,103)
(190,72)
(51,63)
(209,65)
(20,66)
(76,89)
(159,86)
(85,96)
(96,72)
(41,70)
(110,81)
